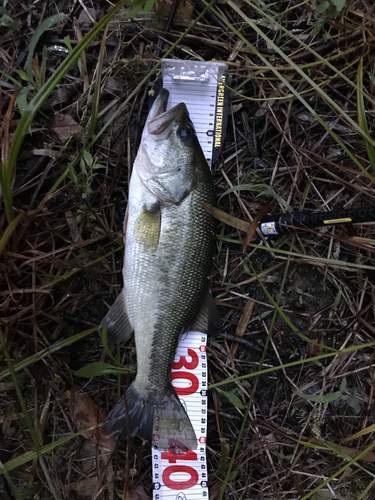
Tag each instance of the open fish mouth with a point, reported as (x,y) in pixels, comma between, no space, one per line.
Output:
(159,119)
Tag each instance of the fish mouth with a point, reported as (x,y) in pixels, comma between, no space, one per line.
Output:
(159,119)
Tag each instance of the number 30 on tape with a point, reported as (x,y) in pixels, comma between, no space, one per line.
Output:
(184,476)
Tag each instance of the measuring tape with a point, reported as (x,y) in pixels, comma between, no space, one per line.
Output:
(200,85)
(184,476)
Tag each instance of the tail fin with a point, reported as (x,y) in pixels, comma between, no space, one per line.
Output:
(162,420)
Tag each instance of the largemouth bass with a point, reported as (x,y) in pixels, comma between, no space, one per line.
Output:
(169,244)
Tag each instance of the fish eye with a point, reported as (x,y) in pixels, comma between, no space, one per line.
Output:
(185,133)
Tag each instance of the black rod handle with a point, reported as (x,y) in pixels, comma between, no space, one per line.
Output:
(275,225)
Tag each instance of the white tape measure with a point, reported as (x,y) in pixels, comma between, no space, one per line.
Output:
(200,85)
(184,476)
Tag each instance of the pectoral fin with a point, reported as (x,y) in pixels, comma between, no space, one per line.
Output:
(118,325)
(147,229)
(208,320)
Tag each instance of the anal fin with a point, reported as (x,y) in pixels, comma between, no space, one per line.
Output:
(208,320)
(117,322)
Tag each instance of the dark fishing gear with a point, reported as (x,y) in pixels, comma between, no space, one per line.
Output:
(287,223)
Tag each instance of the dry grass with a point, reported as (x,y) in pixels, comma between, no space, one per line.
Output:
(305,296)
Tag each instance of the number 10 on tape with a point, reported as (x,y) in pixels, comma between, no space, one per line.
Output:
(184,476)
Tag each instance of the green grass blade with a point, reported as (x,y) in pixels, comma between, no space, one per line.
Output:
(307,258)
(291,88)
(47,352)
(98,369)
(123,106)
(285,318)
(228,476)
(43,26)
(106,346)
(362,114)
(304,75)
(31,455)
(11,485)
(9,231)
(366,491)
(13,80)
(96,96)
(34,434)
(293,364)
(307,47)
(261,189)
(40,98)
(340,471)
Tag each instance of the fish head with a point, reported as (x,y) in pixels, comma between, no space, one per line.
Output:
(169,154)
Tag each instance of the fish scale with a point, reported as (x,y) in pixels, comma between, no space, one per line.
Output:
(183,238)
(190,245)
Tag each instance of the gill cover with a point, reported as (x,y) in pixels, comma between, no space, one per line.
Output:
(166,158)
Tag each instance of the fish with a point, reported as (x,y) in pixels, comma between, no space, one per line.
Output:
(169,243)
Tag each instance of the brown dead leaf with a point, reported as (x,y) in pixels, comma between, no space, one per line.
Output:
(75,232)
(254,224)
(86,487)
(350,452)
(359,242)
(368,430)
(242,325)
(222,303)
(7,419)
(248,227)
(4,129)
(226,218)
(5,56)
(64,126)
(84,413)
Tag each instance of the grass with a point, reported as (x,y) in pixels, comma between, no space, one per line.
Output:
(291,407)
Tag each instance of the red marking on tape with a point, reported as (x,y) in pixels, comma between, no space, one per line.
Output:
(183,363)
(193,379)
(172,457)
(180,485)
